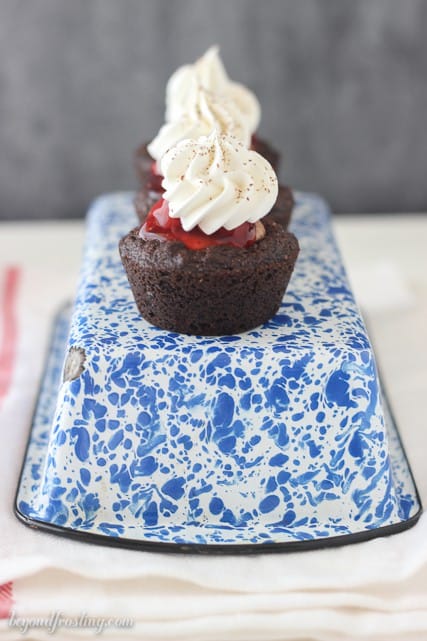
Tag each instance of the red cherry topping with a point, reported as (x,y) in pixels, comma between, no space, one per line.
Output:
(159,223)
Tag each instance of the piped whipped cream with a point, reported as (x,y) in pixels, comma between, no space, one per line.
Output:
(206,111)
(209,72)
(216,182)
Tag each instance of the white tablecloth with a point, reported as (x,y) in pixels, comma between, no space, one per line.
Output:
(373,590)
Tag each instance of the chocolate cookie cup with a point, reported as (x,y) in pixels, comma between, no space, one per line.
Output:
(143,161)
(215,291)
(264,148)
(281,212)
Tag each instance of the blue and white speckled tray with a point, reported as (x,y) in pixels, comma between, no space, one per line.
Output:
(274,439)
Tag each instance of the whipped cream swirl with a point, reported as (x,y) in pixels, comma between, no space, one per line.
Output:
(215,182)
(209,72)
(206,111)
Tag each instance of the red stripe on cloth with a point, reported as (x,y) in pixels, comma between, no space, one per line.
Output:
(6,600)
(9,336)
(9,332)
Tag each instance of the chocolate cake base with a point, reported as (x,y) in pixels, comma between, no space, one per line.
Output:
(147,196)
(265,149)
(144,200)
(281,212)
(143,160)
(214,291)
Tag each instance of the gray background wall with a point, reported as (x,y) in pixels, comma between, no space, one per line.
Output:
(343,86)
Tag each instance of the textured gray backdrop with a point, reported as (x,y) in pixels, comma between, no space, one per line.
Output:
(342,84)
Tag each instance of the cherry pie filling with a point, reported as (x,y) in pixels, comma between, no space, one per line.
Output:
(159,224)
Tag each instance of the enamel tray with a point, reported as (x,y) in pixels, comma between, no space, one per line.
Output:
(275,439)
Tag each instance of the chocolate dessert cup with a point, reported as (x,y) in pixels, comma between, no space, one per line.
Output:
(150,188)
(143,161)
(214,291)
(281,212)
